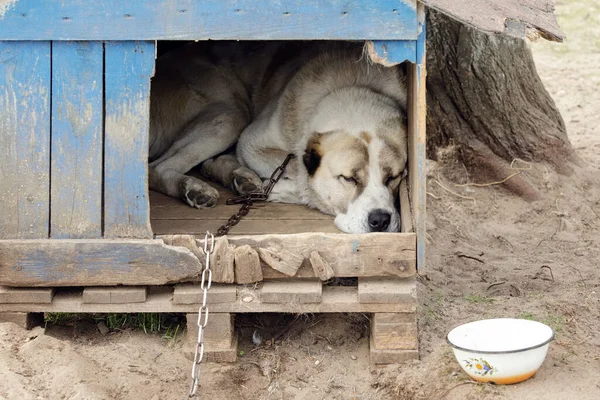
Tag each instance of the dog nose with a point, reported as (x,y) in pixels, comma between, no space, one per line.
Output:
(379,220)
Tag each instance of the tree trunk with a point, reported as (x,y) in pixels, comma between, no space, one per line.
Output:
(485,97)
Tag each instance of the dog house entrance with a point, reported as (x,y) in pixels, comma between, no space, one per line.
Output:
(172,216)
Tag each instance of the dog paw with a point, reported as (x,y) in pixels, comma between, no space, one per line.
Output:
(198,194)
(246,181)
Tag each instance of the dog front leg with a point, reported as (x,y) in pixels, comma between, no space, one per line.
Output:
(226,170)
(210,133)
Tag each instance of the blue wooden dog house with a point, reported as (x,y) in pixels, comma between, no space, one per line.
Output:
(75,210)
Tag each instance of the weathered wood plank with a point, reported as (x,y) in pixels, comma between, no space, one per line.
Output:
(114,295)
(24,140)
(218,333)
(128,68)
(76,177)
(291,291)
(169,208)
(406,216)
(390,356)
(394,331)
(335,299)
(281,259)
(25,320)
(209,19)
(188,293)
(89,262)
(387,290)
(26,295)
(247,265)
(392,52)
(349,255)
(244,227)
(321,268)
(417,113)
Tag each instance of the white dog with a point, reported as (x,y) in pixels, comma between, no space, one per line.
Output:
(341,115)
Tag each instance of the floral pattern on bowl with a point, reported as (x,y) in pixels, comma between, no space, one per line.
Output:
(478,366)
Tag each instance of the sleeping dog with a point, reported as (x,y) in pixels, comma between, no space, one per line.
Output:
(343,117)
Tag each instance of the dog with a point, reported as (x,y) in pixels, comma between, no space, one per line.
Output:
(342,116)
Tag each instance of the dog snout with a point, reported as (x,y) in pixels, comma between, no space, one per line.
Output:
(379,220)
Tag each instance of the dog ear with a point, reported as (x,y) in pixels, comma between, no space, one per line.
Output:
(312,154)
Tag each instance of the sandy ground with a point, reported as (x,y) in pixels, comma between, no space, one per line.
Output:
(327,357)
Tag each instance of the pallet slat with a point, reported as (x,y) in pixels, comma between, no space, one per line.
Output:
(26,295)
(76,166)
(349,255)
(128,68)
(386,290)
(335,299)
(114,295)
(307,291)
(24,140)
(88,262)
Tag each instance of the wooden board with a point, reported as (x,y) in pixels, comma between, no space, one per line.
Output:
(77,113)
(114,294)
(171,216)
(103,262)
(349,255)
(208,19)
(188,293)
(24,140)
(335,299)
(291,291)
(26,295)
(387,290)
(417,113)
(128,68)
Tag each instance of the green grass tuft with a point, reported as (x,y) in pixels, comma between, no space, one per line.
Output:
(167,324)
(476,298)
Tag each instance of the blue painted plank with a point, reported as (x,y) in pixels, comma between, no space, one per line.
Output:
(128,68)
(421,40)
(208,19)
(24,139)
(76,177)
(420,142)
(94,262)
(392,52)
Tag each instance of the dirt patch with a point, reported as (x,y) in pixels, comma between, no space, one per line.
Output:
(490,254)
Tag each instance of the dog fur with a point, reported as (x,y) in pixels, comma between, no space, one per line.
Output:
(343,117)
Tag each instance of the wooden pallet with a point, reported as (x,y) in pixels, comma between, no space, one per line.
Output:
(392,302)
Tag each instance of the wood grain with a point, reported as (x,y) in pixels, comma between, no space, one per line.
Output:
(77,113)
(88,262)
(417,112)
(24,140)
(128,68)
(208,19)
(349,255)
(335,299)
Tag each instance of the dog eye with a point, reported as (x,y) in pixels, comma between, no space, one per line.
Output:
(350,179)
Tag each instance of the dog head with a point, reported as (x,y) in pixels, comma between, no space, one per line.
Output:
(354,166)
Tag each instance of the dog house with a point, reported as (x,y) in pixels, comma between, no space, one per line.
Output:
(79,230)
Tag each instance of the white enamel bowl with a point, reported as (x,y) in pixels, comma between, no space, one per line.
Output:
(502,350)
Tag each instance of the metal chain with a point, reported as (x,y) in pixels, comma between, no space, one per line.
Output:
(250,198)
(209,246)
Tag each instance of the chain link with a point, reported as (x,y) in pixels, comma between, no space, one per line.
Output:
(250,198)
(209,247)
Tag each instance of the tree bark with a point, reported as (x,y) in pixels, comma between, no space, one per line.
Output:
(485,97)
